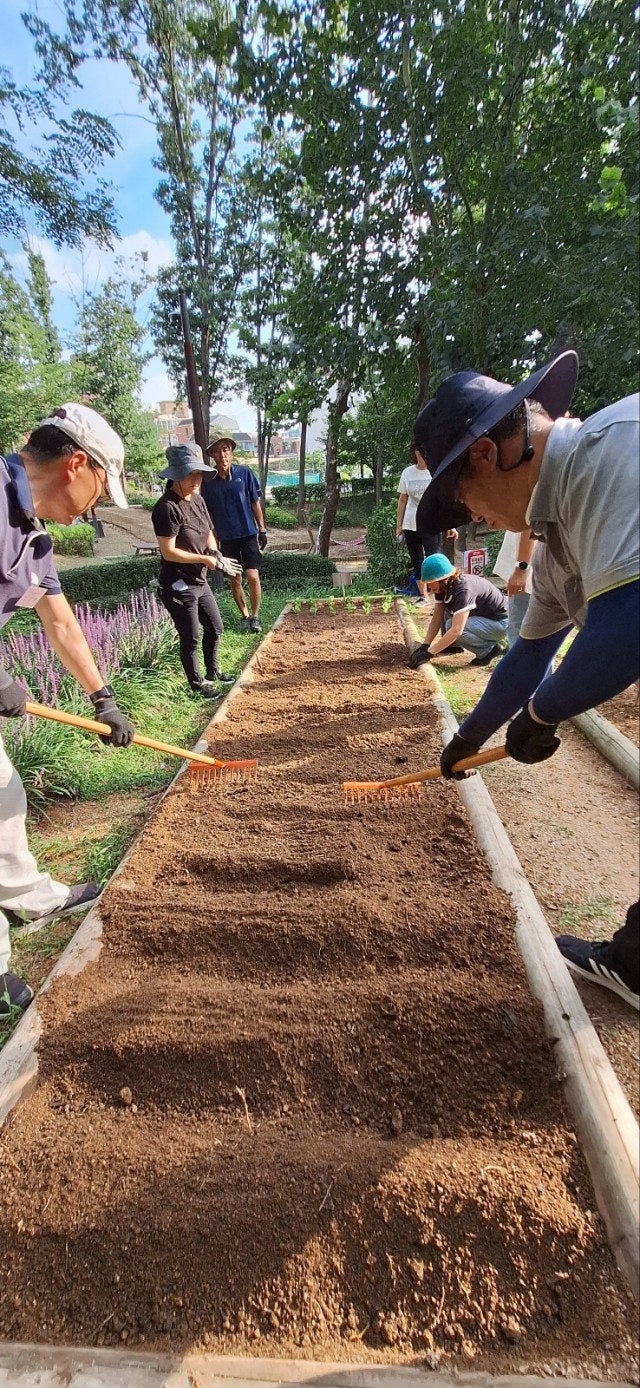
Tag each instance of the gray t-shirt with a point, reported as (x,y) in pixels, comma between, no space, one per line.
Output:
(585,508)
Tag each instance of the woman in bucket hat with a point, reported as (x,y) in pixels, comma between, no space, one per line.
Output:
(188,549)
(509,456)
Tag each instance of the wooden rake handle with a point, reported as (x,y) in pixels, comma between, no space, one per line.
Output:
(90,725)
(433,772)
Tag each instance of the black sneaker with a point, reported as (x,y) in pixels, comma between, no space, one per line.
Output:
(221,677)
(589,961)
(245,624)
(14,992)
(206,689)
(254,624)
(80,898)
(484,659)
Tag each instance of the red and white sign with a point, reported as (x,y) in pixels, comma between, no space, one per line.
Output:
(475,561)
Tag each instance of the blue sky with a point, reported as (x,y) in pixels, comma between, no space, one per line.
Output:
(109,91)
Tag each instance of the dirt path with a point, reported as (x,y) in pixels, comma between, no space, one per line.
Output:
(124,530)
(303,1102)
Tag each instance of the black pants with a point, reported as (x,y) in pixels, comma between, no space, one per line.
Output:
(189,611)
(419,546)
(622,953)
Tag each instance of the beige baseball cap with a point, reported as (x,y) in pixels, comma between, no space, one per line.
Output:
(91,432)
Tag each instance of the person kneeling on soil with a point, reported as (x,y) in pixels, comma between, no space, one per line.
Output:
(63,469)
(508,456)
(470,614)
(188,549)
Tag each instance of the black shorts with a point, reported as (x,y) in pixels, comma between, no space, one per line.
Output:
(246,550)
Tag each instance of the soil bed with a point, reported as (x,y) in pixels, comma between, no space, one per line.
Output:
(624,712)
(303,1103)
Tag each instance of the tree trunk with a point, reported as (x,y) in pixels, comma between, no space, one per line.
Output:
(331,478)
(378,471)
(423,365)
(302,463)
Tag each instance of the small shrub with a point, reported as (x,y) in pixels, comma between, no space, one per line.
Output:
(387,559)
(78,539)
(288,496)
(284,570)
(342,518)
(279,518)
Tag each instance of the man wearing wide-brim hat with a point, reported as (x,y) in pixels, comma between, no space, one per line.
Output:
(508,456)
(232,495)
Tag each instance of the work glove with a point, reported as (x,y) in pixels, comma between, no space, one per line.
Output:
(228,566)
(262,539)
(529,741)
(107,711)
(12,696)
(419,657)
(456,750)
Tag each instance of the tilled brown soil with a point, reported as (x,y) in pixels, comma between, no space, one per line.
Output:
(303,1102)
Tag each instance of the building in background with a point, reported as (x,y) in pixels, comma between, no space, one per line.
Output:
(173,422)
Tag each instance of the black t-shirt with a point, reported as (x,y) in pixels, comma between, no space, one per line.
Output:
(469,593)
(189,523)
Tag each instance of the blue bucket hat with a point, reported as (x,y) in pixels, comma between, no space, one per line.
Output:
(466,406)
(436,567)
(182,459)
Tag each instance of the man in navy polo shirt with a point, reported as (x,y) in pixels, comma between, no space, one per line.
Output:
(232,497)
(62,470)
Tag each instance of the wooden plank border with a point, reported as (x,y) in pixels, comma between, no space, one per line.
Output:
(605,1124)
(611,743)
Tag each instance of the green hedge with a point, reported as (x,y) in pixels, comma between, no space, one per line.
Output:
(279,517)
(288,496)
(115,579)
(79,539)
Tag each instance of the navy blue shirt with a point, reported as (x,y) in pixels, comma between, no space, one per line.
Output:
(229,500)
(26,551)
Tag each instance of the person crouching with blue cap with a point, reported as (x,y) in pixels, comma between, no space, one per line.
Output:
(470,613)
(188,549)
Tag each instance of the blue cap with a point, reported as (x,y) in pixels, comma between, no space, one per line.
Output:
(466,406)
(436,566)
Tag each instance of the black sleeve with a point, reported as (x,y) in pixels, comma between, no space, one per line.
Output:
(166,520)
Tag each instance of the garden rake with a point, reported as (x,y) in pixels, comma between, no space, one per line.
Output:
(409,787)
(203,772)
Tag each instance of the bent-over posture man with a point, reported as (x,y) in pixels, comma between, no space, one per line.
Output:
(508,456)
(62,470)
(232,496)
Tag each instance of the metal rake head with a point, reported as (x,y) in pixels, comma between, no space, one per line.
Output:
(203,776)
(379,793)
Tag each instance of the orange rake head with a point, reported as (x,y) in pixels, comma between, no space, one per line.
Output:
(204,774)
(379,792)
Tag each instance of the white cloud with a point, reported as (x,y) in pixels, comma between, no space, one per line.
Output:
(70,270)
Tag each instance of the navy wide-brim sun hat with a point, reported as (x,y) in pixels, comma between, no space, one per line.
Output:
(183,459)
(466,406)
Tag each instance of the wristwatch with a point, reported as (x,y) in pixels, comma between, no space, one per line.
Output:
(523,564)
(101,694)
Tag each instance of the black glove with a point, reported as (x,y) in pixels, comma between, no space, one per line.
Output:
(262,539)
(419,657)
(529,741)
(107,711)
(12,696)
(456,750)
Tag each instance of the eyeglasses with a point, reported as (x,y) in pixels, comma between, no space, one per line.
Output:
(102,473)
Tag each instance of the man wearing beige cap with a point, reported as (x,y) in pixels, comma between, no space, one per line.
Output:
(67,464)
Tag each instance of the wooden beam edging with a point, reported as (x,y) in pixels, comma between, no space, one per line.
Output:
(112,1368)
(605,1124)
(611,743)
(18,1058)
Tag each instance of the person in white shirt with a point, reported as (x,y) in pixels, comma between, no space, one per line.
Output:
(513,565)
(413,483)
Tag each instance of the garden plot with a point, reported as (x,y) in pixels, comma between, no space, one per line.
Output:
(303,1102)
